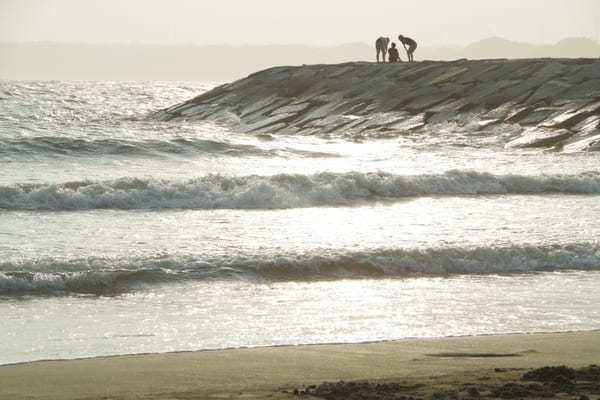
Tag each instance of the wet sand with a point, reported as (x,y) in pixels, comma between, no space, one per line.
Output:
(462,367)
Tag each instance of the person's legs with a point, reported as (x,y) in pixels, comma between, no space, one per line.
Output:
(411,50)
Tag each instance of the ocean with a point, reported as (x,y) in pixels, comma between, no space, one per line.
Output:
(121,233)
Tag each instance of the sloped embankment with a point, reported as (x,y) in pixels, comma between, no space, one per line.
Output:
(545,103)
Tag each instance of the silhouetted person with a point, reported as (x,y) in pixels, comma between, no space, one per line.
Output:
(393,54)
(381,45)
(412,45)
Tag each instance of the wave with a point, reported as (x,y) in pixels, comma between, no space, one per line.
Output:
(116,276)
(281,191)
(68,146)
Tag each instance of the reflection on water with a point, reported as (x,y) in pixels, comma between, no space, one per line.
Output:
(209,315)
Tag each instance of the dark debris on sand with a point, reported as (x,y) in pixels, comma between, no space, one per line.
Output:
(549,374)
(362,390)
(541,383)
(519,391)
(562,379)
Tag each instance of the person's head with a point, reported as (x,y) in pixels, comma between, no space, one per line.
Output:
(400,37)
(393,44)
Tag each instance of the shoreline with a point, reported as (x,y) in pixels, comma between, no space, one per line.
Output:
(276,371)
(367,342)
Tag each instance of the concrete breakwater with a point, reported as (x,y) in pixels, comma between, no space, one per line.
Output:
(542,103)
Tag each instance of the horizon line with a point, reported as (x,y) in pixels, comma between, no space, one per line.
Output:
(191,44)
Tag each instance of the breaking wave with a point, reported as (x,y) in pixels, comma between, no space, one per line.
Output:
(104,276)
(281,191)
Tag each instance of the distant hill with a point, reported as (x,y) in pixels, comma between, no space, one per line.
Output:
(501,48)
(156,62)
(225,63)
(496,47)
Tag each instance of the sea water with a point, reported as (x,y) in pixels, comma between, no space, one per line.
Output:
(121,234)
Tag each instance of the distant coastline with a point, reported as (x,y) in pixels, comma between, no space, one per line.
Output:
(223,63)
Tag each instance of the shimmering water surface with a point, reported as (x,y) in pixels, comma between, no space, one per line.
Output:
(121,234)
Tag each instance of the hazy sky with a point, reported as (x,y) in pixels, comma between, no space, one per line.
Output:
(313,22)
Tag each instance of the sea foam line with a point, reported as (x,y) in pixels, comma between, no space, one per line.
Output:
(281,191)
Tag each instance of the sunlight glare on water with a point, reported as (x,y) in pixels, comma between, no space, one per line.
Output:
(234,314)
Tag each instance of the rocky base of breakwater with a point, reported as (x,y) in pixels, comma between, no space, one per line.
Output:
(529,103)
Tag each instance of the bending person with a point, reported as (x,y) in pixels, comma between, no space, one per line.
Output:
(412,45)
(381,45)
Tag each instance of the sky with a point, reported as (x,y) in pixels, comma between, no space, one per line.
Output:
(310,22)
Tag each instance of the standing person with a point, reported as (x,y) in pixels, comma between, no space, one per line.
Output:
(393,54)
(412,45)
(381,45)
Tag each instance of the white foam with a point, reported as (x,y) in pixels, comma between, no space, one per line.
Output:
(282,190)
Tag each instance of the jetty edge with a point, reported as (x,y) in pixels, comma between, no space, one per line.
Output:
(526,103)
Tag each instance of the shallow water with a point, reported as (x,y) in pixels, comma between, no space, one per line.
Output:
(223,314)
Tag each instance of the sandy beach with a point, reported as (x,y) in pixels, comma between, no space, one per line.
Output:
(458,366)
